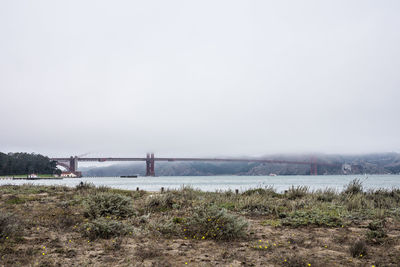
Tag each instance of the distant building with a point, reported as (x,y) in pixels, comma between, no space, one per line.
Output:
(32,175)
(69,175)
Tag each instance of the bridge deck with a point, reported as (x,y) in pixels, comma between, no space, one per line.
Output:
(197,159)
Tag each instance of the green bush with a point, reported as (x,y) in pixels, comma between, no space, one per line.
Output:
(108,204)
(104,228)
(211,222)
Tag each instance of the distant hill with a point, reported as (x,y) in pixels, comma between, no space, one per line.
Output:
(378,163)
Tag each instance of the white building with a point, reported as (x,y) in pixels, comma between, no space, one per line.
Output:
(68,174)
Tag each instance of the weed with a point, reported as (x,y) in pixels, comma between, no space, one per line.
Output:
(358,249)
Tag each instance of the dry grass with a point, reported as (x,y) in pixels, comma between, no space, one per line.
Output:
(88,226)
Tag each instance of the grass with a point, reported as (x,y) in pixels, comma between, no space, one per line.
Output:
(322,227)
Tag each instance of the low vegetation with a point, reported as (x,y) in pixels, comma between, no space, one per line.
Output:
(108,204)
(90,225)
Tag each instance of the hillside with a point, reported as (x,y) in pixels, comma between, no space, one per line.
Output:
(383,163)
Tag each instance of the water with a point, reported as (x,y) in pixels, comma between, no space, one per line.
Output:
(213,183)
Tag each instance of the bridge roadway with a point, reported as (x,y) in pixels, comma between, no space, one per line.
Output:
(191,159)
(150,159)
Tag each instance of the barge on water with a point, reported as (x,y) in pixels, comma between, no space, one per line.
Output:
(129,176)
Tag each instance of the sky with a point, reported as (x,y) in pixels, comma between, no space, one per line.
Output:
(199,78)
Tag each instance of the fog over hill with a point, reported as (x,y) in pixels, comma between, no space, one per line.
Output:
(382,163)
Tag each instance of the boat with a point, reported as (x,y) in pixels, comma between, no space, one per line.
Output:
(129,176)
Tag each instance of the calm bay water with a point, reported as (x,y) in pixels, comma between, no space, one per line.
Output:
(213,183)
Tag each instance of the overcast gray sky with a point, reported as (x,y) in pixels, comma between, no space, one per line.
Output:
(194,78)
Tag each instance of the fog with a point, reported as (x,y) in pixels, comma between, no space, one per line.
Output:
(199,78)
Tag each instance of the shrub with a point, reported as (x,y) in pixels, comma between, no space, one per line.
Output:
(358,249)
(297,192)
(267,191)
(85,186)
(104,228)
(328,195)
(376,232)
(376,236)
(210,222)
(161,202)
(357,202)
(376,225)
(108,204)
(9,226)
(255,203)
(354,187)
(327,216)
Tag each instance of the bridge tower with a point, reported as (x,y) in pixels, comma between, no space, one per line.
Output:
(150,165)
(313,166)
(73,164)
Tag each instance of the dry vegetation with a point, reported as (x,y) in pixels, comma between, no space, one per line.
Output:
(87,225)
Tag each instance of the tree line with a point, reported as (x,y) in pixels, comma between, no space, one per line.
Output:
(25,163)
